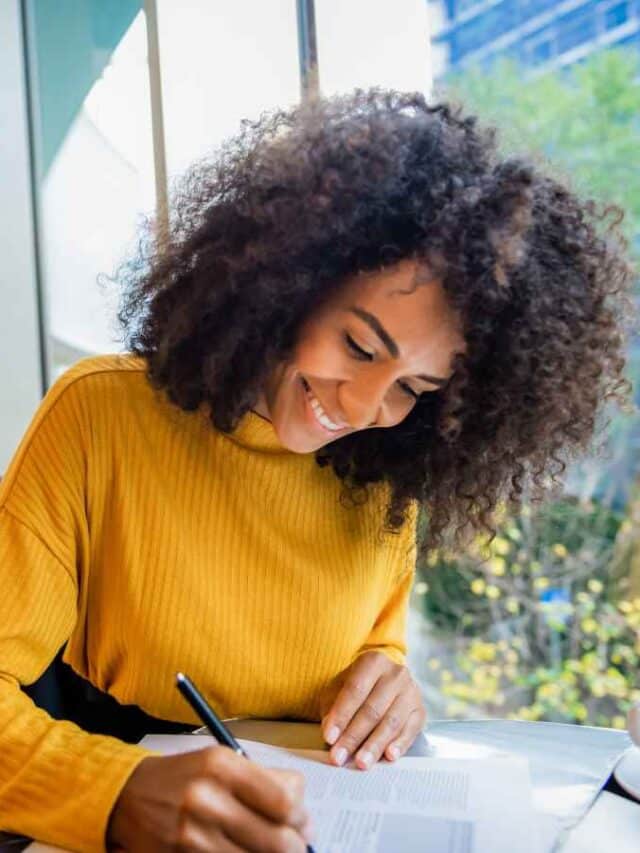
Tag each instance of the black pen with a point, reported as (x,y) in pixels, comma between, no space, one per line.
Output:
(209,717)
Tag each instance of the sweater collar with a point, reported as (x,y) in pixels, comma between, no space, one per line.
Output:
(257,433)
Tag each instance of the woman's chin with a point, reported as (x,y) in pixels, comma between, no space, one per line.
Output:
(299,440)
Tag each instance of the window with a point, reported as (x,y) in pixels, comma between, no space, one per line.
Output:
(529,632)
(616,15)
(574,30)
(540,48)
(94,161)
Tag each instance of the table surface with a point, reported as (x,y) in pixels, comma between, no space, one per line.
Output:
(612,825)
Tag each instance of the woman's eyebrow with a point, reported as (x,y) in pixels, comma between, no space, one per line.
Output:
(372,321)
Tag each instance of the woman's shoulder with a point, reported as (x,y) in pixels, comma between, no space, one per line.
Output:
(113,365)
(100,377)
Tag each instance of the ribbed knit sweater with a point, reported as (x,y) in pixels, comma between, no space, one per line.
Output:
(149,542)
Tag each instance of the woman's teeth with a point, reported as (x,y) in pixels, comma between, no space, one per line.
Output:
(319,412)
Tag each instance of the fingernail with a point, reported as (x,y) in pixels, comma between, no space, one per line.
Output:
(365,758)
(333,734)
(393,752)
(340,755)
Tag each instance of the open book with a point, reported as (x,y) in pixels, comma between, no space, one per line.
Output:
(416,805)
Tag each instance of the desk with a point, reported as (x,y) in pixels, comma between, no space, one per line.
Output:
(612,825)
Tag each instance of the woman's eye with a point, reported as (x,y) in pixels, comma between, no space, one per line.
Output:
(409,390)
(357,350)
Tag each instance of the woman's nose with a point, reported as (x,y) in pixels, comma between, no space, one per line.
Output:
(362,406)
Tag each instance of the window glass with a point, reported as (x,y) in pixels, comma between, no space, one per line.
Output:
(221,65)
(372,44)
(576,29)
(89,90)
(616,15)
(545,624)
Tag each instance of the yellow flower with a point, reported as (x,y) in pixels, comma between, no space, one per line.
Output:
(547,691)
(580,713)
(595,586)
(422,587)
(535,566)
(583,598)
(493,591)
(589,625)
(497,566)
(483,652)
(478,586)
(516,569)
(559,550)
(512,605)
(636,603)
(625,606)
(501,545)
(541,583)
(619,722)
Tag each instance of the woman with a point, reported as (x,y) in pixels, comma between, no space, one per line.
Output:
(361,309)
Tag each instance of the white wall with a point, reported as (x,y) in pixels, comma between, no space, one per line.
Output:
(20,371)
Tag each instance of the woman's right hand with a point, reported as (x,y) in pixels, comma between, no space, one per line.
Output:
(209,800)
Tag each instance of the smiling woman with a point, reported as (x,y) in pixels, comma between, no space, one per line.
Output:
(360,310)
(406,212)
(363,359)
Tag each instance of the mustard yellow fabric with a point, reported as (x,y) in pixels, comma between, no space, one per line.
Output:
(150,543)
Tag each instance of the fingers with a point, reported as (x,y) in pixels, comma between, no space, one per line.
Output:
(193,837)
(215,814)
(389,741)
(278,795)
(387,717)
(238,805)
(384,709)
(358,684)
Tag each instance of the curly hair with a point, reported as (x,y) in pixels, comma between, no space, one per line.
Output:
(301,200)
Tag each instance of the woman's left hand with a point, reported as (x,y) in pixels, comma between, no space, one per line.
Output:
(378,711)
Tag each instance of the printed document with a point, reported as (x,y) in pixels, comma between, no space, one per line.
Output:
(416,805)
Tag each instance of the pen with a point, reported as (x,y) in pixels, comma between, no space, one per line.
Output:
(209,717)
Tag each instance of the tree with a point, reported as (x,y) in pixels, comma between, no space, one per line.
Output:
(584,120)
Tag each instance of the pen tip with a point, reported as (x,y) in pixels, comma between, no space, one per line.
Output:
(179,676)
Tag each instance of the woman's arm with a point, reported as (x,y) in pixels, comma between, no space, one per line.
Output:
(375,707)
(57,783)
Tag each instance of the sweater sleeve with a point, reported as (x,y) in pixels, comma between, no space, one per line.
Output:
(388,634)
(57,783)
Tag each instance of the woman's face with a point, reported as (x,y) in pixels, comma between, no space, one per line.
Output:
(363,358)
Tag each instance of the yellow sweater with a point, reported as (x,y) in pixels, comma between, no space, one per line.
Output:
(151,543)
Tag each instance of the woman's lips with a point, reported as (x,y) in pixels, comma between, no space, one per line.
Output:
(318,413)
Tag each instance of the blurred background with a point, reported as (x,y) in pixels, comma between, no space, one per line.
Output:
(105,102)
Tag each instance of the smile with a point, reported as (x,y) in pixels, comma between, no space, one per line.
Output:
(321,416)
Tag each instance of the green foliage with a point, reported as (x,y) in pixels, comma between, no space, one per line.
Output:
(541,622)
(559,639)
(585,120)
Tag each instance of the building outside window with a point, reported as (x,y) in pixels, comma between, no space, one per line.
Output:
(546,623)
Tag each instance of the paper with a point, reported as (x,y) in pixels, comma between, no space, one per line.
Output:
(414,805)
(568,764)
